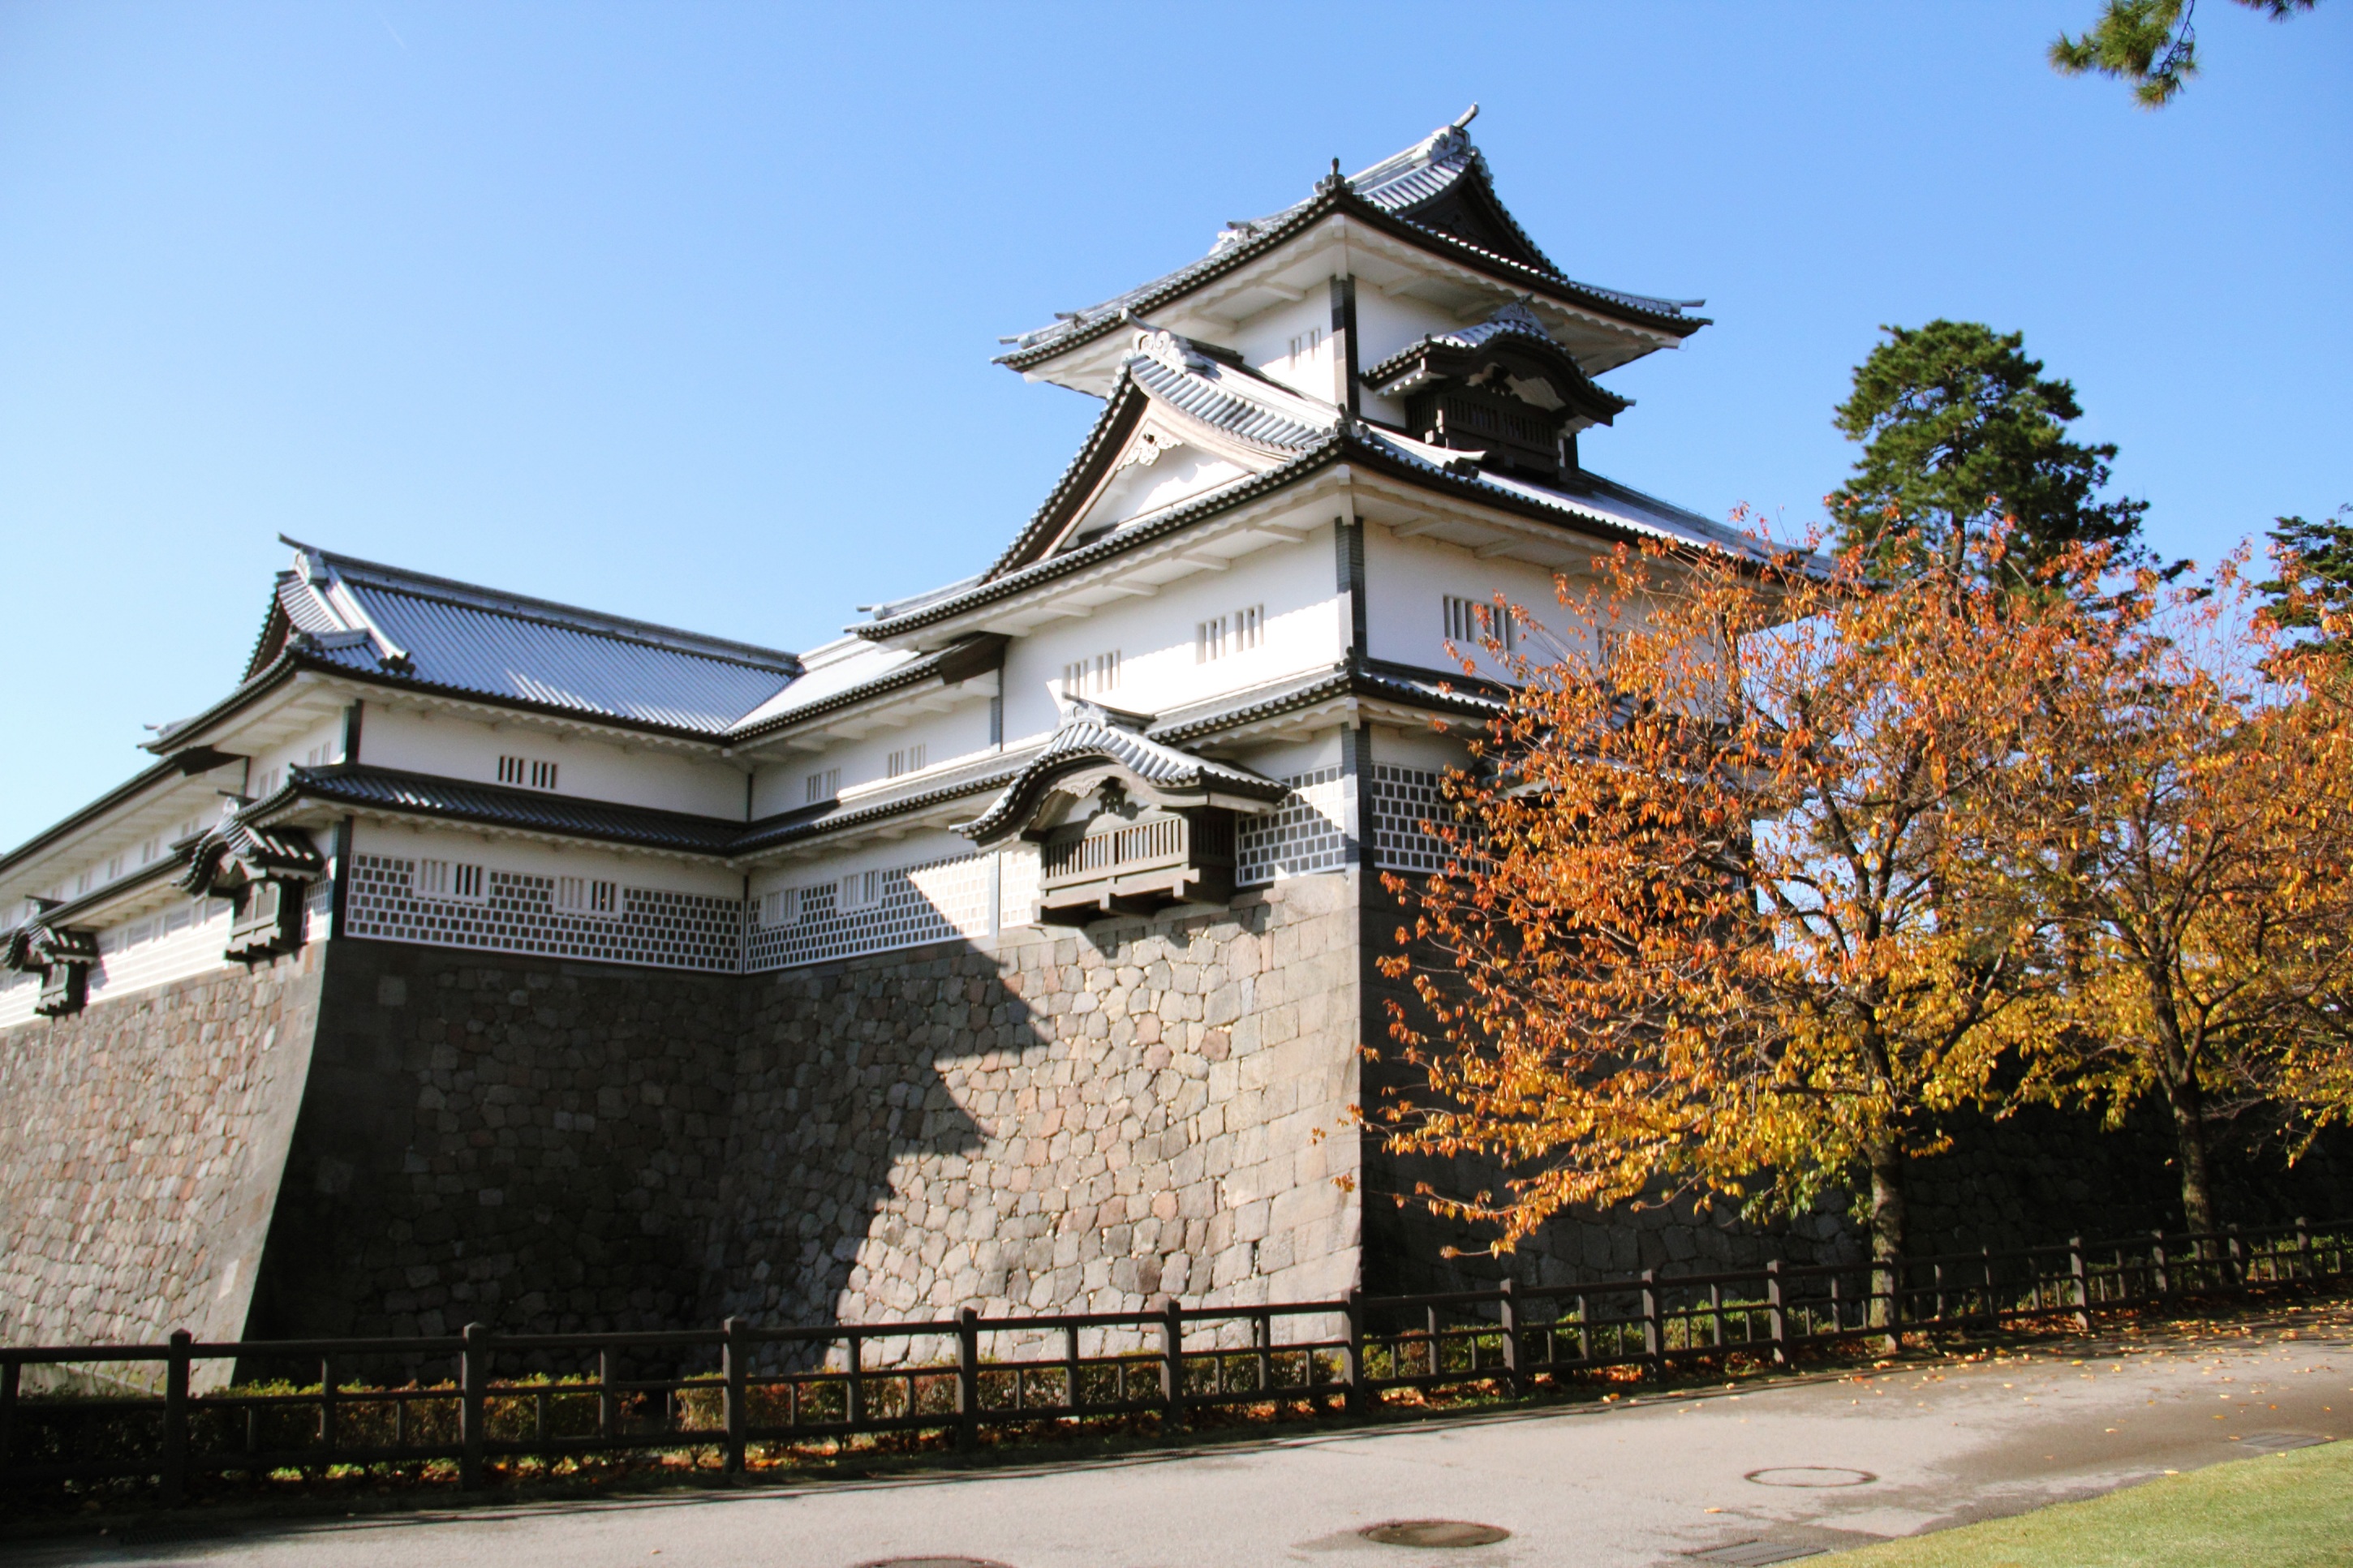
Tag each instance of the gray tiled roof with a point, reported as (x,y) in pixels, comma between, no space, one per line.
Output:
(384,621)
(1087,734)
(1396,186)
(1230,398)
(424,794)
(1513,321)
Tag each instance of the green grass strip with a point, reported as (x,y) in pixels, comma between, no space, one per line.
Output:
(2282,1511)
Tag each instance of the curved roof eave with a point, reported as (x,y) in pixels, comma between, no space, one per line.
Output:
(1093,323)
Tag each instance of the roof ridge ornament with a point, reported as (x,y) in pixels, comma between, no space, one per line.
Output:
(1070,711)
(1334,183)
(1172,349)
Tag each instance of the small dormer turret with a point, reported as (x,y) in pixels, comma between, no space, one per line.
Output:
(1504,389)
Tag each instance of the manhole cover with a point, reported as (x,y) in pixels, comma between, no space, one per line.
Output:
(1754,1553)
(1811,1476)
(2280,1442)
(1434,1532)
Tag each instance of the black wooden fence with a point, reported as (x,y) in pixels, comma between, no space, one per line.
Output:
(583,1394)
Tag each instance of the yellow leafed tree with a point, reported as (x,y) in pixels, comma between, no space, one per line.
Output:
(1703,926)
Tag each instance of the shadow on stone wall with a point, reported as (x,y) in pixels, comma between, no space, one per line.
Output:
(527,1142)
(1064,1121)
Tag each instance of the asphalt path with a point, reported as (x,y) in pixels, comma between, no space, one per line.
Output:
(1742,1477)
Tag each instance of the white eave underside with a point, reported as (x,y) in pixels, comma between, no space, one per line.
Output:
(1337,246)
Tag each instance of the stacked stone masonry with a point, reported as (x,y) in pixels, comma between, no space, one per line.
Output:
(388,1138)
(144,1140)
(1046,1121)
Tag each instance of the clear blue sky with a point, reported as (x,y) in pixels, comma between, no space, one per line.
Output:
(684,311)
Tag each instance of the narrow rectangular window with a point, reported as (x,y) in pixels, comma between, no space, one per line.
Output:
(907,760)
(433,878)
(81,883)
(1249,628)
(511,770)
(1470,621)
(543,775)
(150,850)
(571,894)
(114,868)
(465,881)
(604,898)
(1209,641)
(267,785)
(824,785)
(860,890)
(1091,677)
(319,756)
(1613,646)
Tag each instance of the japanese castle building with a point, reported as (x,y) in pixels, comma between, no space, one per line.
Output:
(479,956)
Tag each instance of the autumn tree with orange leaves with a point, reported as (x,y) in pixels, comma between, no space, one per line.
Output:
(1765,867)
(2180,819)
(1705,926)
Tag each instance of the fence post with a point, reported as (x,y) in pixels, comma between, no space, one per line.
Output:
(175,1418)
(2083,1277)
(1510,1314)
(1172,1360)
(327,1405)
(12,1373)
(1359,1396)
(735,1369)
(968,1377)
(2160,1276)
(1777,1320)
(473,1387)
(608,1403)
(1654,1338)
(2303,1249)
(2237,1267)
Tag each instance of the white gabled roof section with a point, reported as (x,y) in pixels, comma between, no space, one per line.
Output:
(1209,424)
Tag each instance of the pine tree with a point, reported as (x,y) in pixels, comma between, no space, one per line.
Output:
(1960,431)
(2313,590)
(2149,43)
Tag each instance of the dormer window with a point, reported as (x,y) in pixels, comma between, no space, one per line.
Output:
(1504,389)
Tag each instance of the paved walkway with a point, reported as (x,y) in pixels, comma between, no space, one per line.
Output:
(1741,1476)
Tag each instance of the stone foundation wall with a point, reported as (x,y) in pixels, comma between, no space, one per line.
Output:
(1056,1122)
(141,1145)
(525,1141)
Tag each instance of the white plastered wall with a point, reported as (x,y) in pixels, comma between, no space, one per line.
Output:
(1264,341)
(1407,581)
(1155,637)
(426,741)
(536,858)
(946,736)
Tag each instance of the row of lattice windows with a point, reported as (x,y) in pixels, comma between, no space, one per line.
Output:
(519,913)
(872,911)
(863,911)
